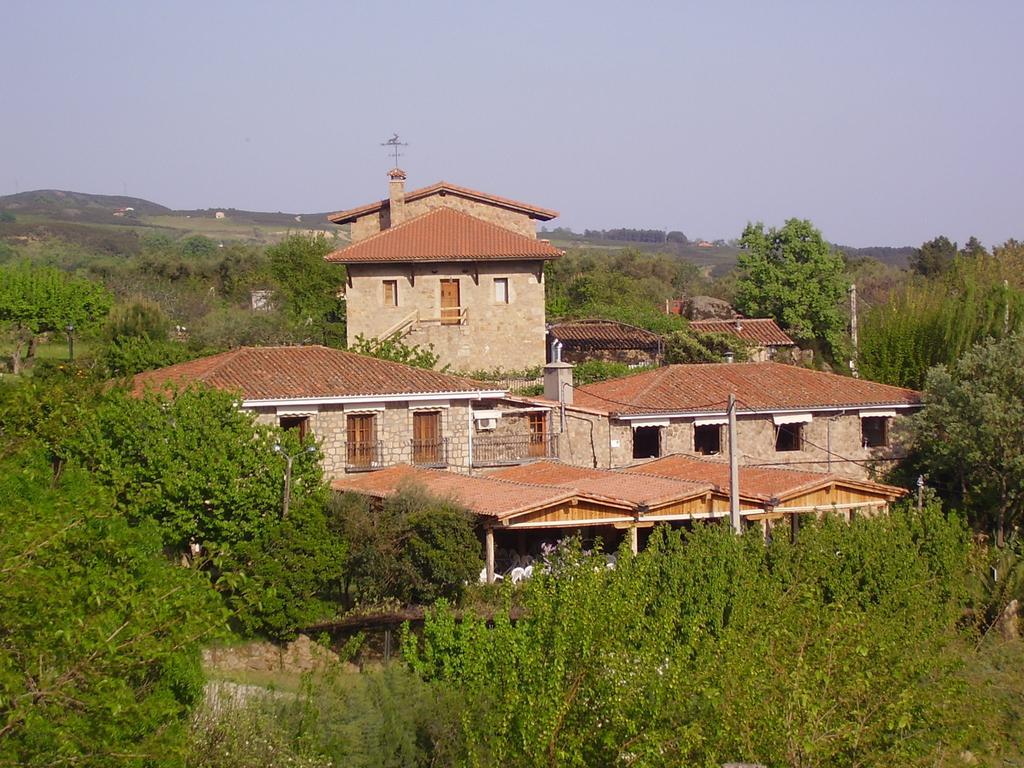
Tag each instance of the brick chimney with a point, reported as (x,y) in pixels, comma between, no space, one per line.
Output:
(396,196)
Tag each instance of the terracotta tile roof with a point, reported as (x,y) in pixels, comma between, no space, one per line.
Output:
(604,334)
(757,386)
(444,234)
(486,496)
(271,373)
(609,484)
(446,188)
(762,483)
(759,330)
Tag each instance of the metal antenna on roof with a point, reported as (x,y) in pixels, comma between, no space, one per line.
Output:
(394,144)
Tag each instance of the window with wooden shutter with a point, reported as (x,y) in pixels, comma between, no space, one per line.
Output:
(361,434)
(426,438)
(538,434)
(390,293)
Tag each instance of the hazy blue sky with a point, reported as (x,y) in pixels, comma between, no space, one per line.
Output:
(883,122)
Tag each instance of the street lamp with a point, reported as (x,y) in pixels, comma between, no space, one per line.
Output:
(71,341)
(287,495)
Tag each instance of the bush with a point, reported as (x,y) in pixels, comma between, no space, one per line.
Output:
(414,548)
(292,574)
(383,719)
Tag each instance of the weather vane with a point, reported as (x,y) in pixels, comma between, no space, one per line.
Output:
(393,143)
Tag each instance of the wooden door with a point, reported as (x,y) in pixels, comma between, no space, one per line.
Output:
(538,434)
(450,306)
(426,437)
(360,438)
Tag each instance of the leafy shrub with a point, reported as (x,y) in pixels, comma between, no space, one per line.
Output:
(397,351)
(413,548)
(292,573)
(99,645)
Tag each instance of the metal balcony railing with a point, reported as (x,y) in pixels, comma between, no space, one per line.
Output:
(430,453)
(493,450)
(364,455)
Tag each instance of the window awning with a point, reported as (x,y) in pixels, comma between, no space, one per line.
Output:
(304,410)
(710,422)
(648,423)
(791,418)
(877,414)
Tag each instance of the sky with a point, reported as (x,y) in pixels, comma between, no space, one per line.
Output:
(884,122)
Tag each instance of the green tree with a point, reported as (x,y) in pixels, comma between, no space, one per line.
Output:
(794,276)
(194,463)
(137,339)
(100,636)
(968,435)
(412,548)
(690,347)
(934,257)
(291,573)
(38,300)
(710,648)
(398,351)
(309,286)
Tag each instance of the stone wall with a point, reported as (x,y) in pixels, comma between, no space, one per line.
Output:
(394,431)
(372,223)
(299,656)
(594,440)
(495,335)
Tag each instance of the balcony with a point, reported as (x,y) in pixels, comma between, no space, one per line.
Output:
(497,450)
(430,453)
(365,456)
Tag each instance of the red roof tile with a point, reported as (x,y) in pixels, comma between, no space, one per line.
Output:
(604,334)
(759,330)
(272,373)
(652,491)
(486,496)
(755,482)
(444,187)
(757,386)
(444,234)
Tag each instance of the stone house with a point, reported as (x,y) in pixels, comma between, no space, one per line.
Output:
(450,267)
(578,341)
(786,416)
(364,413)
(762,334)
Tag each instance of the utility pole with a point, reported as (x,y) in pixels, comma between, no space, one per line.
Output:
(853,330)
(734,469)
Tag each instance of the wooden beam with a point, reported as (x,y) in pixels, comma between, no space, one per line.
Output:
(489,553)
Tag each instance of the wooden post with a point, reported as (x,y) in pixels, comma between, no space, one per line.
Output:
(634,539)
(734,469)
(853,331)
(489,553)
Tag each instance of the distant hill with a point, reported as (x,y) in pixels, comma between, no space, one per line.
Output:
(77,206)
(89,219)
(54,212)
(63,205)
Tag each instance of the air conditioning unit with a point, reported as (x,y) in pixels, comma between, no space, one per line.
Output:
(486,425)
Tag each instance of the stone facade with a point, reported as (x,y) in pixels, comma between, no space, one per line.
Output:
(493,334)
(376,221)
(594,440)
(393,432)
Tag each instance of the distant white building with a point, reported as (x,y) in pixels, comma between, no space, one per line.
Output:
(219,215)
